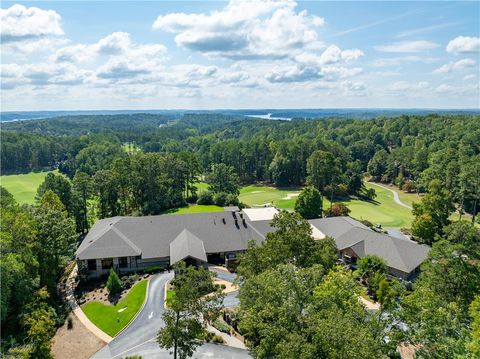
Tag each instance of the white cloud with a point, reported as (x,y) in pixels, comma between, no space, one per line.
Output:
(400,60)
(117,43)
(458,65)
(244,29)
(22,23)
(403,87)
(464,44)
(469,77)
(407,46)
(332,54)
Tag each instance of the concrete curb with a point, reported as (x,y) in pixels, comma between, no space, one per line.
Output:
(77,310)
(165,294)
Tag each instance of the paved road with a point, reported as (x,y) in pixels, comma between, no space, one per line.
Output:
(139,337)
(396,199)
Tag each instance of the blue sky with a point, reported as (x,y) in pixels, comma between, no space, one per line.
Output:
(239,54)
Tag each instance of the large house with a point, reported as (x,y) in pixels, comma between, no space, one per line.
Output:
(134,243)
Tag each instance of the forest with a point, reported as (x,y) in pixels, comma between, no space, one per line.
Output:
(435,155)
(334,155)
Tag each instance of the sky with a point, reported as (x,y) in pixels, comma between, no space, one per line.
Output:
(85,55)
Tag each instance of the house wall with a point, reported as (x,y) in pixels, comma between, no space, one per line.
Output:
(133,264)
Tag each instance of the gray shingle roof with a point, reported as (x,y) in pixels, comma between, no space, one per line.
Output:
(336,226)
(187,245)
(152,235)
(400,254)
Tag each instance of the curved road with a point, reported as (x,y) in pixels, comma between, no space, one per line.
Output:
(139,337)
(396,199)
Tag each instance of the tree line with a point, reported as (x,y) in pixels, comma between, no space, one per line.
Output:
(333,155)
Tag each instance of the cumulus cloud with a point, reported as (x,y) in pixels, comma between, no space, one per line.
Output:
(407,46)
(329,65)
(42,74)
(244,29)
(464,44)
(117,43)
(457,65)
(22,23)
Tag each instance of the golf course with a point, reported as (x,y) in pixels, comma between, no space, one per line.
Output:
(383,210)
(23,187)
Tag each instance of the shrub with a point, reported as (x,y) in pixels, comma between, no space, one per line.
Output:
(114,284)
(220,199)
(205,198)
(153,269)
(192,198)
(221,326)
(366,223)
(69,323)
(217,339)
(337,210)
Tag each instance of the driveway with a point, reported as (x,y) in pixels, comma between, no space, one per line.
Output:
(139,337)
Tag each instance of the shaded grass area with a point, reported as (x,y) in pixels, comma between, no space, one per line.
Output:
(24,187)
(107,317)
(196,208)
(382,211)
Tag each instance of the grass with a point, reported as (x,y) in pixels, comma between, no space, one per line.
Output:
(107,317)
(24,187)
(196,208)
(382,211)
(257,196)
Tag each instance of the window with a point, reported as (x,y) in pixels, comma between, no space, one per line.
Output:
(107,263)
(92,264)
(122,262)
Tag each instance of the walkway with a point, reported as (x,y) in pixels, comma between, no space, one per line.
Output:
(69,288)
(396,199)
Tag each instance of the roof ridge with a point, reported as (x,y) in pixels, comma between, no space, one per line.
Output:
(126,239)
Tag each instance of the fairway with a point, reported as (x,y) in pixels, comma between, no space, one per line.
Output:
(383,211)
(259,196)
(108,318)
(24,187)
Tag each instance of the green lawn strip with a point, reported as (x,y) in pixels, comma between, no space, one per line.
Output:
(24,187)
(197,208)
(107,317)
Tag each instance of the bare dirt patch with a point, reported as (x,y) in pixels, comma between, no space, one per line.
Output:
(75,343)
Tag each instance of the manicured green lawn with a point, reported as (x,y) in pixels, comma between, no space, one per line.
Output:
(107,317)
(257,196)
(198,208)
(23,187)
(383,211)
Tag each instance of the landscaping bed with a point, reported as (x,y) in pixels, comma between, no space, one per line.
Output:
(112,318)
